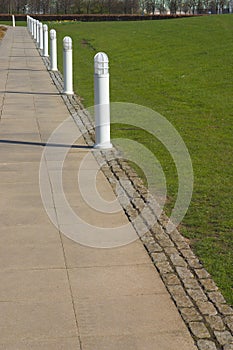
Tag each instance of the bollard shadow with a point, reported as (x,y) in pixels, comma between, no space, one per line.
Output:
(22,42)
(25,56)
(44,144)
(31,93)
(23,48)
(26,69)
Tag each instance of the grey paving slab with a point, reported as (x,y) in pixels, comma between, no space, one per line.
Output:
(22,154)
(73,160)
(137,315)
(75,202)
(82,256)
(30,247)
(45,285)
(54,292)
(49,344)
(14,188)
(92,217)
(134,342)
(12,103)
(24,320)
(24,216)
(22,125)
(20,136)
(16,98)
(21,167)
(27,200)
(97,282)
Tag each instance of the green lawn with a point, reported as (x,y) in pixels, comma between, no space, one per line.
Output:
(183,69)
(17,23)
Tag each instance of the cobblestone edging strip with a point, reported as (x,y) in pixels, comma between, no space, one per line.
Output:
(203,308)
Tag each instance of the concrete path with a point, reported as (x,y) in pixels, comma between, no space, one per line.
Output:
(54,292)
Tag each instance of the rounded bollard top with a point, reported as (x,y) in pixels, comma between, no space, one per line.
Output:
(40,25)
(101,63)
(53,34)
(45,27)
(67,43)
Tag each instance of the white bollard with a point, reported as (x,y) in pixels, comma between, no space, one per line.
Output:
(13,21)
(32,27)
(35,29)
(37,33)
(102,102)
(29,24)
(53,50)
(45,40)
(41,36)
(68,66)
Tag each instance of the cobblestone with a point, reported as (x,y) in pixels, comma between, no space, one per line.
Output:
(138,203)
(191,283)
(229,321)
(216,297)
(170,250)
(206,345)
(163,267)
(177,260)
(180,269)
(199,330)
(153,247)
(149,217)
(197,294)
(158,232)
(182,245)
(206,308)
(209,284)
(141,228)
(194,263)
(228,347)
(224,309)
(183,272)
(124,201)
(159,257)
(215,322)
(148,238)
(165,243)
(176,236)
(202,273)
(190,314)
(224,337)
(188,254)
(180,296)
(131,212)
(171,279)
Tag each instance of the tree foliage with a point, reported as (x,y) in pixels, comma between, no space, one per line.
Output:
(114,6)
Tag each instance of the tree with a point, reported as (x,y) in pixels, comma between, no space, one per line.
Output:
(173,6)
(160,5)
(142,5)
